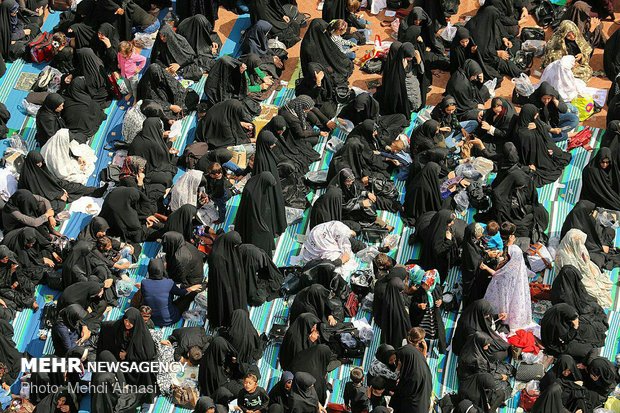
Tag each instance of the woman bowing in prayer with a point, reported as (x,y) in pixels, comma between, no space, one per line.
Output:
(285,28)
(255,217)
(598,184)
(314,299)
(226,276)
(226,124)
(509,291)
(568,40)
(82,114)
(158,85)
(242,335)
(562,332)
(89,65)
(184,262)
(467,88)
(218,368)
(128,339)
(414,387)
(328,207)
(263,279)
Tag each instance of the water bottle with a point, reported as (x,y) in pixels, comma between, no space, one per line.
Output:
(24,392)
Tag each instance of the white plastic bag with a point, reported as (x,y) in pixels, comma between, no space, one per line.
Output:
(293,215)
(30,108)
(448,33)
(175,129)
(367,254)
(491,85)
(377,6)
(523,85)
(144,40)
(536,46)
(531,358)
(391,241)
(208,213)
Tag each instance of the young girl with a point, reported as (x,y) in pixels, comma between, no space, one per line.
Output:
(130,63)
(424,310)
(336,29)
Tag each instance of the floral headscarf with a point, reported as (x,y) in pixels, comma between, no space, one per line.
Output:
(298,106)
(417,276)
(556,49)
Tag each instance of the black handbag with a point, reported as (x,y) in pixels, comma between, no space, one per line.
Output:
(544,13)
(385,188)
(372,66)
(292,281)
(374,235)
(527,372)
(532,33)
(523,60)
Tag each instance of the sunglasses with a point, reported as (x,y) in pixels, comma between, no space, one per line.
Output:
(215,172)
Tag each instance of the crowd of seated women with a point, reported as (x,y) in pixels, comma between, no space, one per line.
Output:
(472,149)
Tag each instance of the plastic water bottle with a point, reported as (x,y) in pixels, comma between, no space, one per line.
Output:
(24,391)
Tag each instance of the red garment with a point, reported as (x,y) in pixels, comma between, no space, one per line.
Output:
(582,138)
(525,340)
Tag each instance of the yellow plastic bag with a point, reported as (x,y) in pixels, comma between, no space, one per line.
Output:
(612,404)
(585,106)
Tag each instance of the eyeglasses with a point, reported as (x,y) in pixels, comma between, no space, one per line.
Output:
(215,172)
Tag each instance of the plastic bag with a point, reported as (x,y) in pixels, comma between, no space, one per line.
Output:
(377,6)
(197,315)
(201,299)
(531,358)
(533,386)
(124,288)
(585,106)
(536,46)
(523,85)
(606,218)
(449,32)
(481,2)
(469,171)
(293,215)
(366,334)
(367,302)
(144,40)
(491,85)
(29,108)
(483,165)
(391,241)
(346,124)
(208,214)
(334,144)
(367,254)
(175,130)
(462,200)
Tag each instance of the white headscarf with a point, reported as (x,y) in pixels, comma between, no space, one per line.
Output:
(559,74)
(509,291)
(327,241)
(185,190)
(573,251)
(60,154)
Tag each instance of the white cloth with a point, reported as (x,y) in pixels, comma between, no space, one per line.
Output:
(61,157)
(185,191)
(509,291)
(8,184)
(87,205)
(559,74)
(327,241)
(573,251)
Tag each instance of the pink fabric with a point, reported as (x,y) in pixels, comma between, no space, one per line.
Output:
(129,66)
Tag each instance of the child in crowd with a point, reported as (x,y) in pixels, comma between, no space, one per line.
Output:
(217,189)
(117,261)
(417,338)
(382,264)
(355,393)
(375,393)
(252,399)
(492,238)
(130,63)
(336,28)
(146,312)
(507,232)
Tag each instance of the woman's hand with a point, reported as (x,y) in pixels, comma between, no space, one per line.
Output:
(594,23)
(331,320)
(286,19)
(502,54)
(422,306)
(150,220)
(319,77)
(555,131)
(417,56)
(372,197)
(122,355)
(105,41)
(247,125)
(278,62)
(438,303)
(172,69)
(85,336)
(119,11)
(345,257)
(324,134)
(193,288)
(175,108)
(449,235)
(502,316)
(507,43)
(445,129)
(485,126)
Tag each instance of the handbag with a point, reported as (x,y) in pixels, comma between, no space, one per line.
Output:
(532,33)
(184,396)
(527,399)
(540,291)
(523,60)
(336,408)
(372,66)
(277,332)
(385,188)
(352,305)
(374,235)
(528,372)
(544,13)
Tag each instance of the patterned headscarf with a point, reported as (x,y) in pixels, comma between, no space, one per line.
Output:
(417,276)
(298,106)
(556,49)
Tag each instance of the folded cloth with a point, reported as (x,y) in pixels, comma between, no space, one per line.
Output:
(525,340)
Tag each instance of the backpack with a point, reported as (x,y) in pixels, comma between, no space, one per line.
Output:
(41,48)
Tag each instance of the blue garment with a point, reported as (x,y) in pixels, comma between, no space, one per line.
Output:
(64,339)
(158,295)
(568,121)
(494,242)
